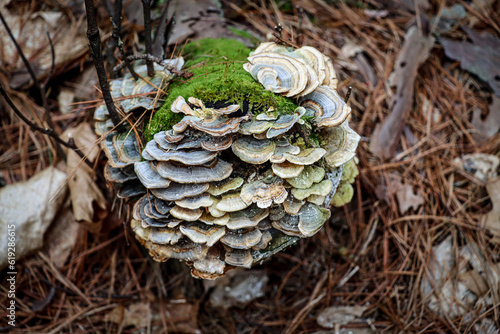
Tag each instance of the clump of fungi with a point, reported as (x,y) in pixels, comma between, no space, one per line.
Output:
(226,187)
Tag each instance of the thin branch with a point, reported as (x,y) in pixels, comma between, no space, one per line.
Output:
(151,58)
(300,15)
(53,63)
(116,20)
(161,33)
(348,95)
(46,114)
(128,63)
(146,5)
(95,48)
(21,53)
(31,72)
(49,132)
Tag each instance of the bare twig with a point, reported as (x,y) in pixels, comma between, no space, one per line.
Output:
(21,53)
(53,61)
(116,20)
(31,72)
(300,15)
(95,48)
(183,74)
(278,34)
(146,5)
(162,32)
(348,95)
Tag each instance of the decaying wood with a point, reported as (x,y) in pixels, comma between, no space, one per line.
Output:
(415,51)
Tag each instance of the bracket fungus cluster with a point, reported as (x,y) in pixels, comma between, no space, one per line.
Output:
(227,187)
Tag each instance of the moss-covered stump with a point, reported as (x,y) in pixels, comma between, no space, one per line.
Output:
(219,80)
(241,161)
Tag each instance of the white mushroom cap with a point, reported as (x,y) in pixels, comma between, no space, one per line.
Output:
(231,202)
(241,239)
(148,175)
(252,150)
(194,174)
(177,191)
(327,106)
(287,170)
(263,194)
(239,258)
(249,217)
(196,157)
(186,214)
(195,202)
(203,234)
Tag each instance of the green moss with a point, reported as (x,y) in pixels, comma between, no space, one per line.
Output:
(218,76)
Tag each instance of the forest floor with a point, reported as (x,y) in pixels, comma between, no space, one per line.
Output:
(416,251)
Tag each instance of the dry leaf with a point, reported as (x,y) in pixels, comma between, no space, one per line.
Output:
(407,198)
(340,315)
(30,31)
(492,220)
(404,193)
(481,56)
(61,237)
(89,204)
(483,166)
(475,282)
(137,315)
(415,50)
(450,289)
(439,290)
(30,207)
(429,111)
(65,98)
(491,124)
(180,316)
(448,18)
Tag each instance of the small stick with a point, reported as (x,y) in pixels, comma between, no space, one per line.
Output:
(161,33)
(95,48)
(37,83)
(49,132)
(53,64)
(146,5)
(21,53)
(183,74)
(300,14)
(116,19)
(348,95)
(278,34)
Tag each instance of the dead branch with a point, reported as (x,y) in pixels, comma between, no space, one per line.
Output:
(151,58)
(146,5)
(95,49)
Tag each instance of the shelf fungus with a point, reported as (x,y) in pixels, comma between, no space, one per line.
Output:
(231,182)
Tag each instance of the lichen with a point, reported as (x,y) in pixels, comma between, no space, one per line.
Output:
(218,76)
(350,171)
(345,190)
(343,195)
